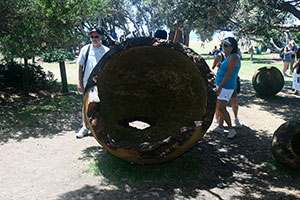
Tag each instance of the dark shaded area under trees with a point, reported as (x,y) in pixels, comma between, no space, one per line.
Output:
(26,33)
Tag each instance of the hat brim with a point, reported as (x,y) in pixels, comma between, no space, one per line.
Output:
(227,41)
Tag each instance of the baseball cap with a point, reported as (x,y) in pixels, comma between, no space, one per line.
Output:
(95,30)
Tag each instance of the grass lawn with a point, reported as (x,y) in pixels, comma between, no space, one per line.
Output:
(71,70)
(248,66)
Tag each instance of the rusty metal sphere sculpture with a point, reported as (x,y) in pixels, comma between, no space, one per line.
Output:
(286,144)
(267,81)
(149,100)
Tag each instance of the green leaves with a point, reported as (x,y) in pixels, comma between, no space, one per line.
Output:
(43,24)
(57,55)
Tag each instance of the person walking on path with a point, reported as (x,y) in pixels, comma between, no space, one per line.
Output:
(89,56)
(287,57)
(226,80)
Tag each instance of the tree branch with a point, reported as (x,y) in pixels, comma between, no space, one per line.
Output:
(287,27)
(273,47)
(290,8)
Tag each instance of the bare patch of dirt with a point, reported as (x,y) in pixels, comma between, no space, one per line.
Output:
(47,166)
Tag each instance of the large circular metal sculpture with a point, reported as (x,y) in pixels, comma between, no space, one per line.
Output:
(267,81)
(149,100)
(286,144)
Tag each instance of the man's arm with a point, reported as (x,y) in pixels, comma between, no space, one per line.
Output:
(296,64)
(80,79)
(217,61)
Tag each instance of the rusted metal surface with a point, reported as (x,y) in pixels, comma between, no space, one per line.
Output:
(267,81)
(286,144)
(162,84)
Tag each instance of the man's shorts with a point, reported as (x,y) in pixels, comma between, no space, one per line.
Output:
(225,94)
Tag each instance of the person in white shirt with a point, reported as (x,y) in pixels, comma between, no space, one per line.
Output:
(89,56)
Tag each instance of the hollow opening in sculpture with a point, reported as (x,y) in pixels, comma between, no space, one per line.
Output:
(296,144)
(160,84)
(139,123)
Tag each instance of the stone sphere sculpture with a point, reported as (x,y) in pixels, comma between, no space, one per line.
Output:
(267,81)
(149,100)
(286,144)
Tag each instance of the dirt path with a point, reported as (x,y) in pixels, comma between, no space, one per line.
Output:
(49,167)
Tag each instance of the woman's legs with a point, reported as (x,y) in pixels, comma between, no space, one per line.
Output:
(291,65)
(285,67)
(235,106)
(223,113)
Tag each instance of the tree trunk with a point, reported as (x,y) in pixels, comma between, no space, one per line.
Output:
(186,38)
(171,35)
(251,57)
(178,36)
(25,77)
(63,75)
(99,21)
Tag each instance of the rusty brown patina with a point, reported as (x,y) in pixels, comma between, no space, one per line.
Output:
(162,84)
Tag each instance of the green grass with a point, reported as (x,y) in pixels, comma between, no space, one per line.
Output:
(185,167)
(71,70)
(32,111)
(275,166)
(248,66)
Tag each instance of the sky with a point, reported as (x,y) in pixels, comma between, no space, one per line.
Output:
(222,34)
(193,35)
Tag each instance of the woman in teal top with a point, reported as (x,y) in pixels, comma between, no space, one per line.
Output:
(231,83)
(226,82)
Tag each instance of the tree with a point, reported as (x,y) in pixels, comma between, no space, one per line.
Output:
(22,38)
(8,16)
(150,13)
(267,22)
(51,27)
(203,16)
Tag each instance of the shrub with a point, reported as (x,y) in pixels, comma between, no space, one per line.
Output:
(11,77)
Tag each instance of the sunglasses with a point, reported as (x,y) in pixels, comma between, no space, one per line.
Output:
(95,36)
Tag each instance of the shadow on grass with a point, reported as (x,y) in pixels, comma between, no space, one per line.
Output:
(40,115)
(216,168)
(284,104)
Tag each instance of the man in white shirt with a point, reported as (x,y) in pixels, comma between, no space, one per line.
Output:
(89,56)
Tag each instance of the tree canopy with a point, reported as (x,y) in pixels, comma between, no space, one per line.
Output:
(30,26)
